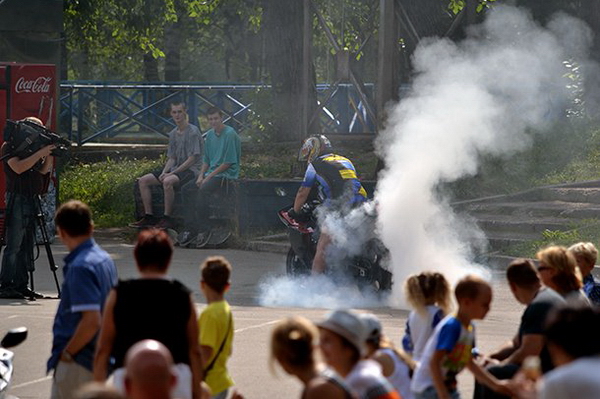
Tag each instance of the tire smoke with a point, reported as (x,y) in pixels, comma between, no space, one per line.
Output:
(487,95)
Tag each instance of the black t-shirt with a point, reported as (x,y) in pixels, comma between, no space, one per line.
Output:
(156,309)
(534,318)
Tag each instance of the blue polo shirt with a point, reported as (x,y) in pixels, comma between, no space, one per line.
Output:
(88,275)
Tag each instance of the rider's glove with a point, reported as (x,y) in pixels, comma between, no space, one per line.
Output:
(293,214)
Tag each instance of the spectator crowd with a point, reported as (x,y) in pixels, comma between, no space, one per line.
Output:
(119,339)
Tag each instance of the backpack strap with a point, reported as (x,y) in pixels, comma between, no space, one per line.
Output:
(212,363)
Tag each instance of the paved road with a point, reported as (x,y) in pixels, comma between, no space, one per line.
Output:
(253,322)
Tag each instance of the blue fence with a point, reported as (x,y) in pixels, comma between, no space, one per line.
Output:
(96,112)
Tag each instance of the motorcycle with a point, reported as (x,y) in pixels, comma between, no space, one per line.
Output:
(365,269)
(12,338)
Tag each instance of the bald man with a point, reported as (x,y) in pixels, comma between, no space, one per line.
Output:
(149,371)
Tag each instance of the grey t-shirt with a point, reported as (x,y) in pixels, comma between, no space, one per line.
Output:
(185,144)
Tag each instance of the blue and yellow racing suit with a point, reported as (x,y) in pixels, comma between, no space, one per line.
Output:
(336,179)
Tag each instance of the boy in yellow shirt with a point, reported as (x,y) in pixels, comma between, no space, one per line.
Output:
(216,325)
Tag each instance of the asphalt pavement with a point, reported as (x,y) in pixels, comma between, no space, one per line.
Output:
(249,364)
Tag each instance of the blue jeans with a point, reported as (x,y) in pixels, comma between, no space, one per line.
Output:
(431,393)
(19,226)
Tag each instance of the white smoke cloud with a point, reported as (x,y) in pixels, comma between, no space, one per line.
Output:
(350,232)
(485,95)
(313,292)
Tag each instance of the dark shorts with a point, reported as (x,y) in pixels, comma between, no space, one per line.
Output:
(184,177)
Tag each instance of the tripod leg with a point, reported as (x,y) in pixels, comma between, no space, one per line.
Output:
(46,242)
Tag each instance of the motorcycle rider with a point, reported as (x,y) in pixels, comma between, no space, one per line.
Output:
(338,187)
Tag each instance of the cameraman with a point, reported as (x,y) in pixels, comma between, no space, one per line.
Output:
(26,178)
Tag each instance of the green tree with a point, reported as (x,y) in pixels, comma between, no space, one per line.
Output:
(110,37)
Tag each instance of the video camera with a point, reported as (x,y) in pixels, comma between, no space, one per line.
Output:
(25,138)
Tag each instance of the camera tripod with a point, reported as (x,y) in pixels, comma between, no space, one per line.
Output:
(41,223)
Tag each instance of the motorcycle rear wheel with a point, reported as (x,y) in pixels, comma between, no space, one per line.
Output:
(295,266)
(375,278)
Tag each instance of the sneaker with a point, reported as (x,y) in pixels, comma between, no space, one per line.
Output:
(11,293)
(145,222)
(202,239)
(31,294)
(165,223)
(185,238)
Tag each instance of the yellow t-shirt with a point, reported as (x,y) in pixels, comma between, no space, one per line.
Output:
(213,324)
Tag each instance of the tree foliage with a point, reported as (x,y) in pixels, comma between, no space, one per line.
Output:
(259,41)
(110,37)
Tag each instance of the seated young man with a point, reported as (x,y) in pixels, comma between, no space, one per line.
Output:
(183,164)
(221,164)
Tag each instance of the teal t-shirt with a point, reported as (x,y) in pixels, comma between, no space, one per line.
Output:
(223,148)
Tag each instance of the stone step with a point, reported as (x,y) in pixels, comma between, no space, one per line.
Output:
(570,194)
(502,223)
(534,209)
(498,241)
(499,244)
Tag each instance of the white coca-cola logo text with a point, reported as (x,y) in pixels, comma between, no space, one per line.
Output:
(38,85)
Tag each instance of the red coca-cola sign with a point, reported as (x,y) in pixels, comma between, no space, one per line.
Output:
(33,92)
(41,84)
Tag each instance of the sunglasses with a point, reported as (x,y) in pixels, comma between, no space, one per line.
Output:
(542,268)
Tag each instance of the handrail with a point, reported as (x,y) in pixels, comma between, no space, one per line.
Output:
(92,110)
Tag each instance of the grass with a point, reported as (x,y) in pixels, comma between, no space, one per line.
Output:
(586,230)
(563,156)
(106,186)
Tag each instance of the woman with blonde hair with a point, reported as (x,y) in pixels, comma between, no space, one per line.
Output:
(293,343)
(586,255)
(558,270)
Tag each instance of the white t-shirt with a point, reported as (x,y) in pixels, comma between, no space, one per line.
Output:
(365,380)
(418,330)
(579,379)
(400,378)
(450,336)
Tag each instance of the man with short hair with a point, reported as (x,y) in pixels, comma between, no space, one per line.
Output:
(221,164)
(184,156)
(89,274)
(526,287)
(149,371)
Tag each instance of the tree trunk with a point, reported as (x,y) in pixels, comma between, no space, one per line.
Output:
(173,51)
(150,68)
(64,57)
(283,30)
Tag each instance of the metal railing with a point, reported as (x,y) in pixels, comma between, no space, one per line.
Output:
(97,112)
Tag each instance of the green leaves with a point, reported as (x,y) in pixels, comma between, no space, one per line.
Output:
(106,186)
(114,35)
(456,6)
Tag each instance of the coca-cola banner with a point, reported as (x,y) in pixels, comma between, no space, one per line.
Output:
(33,89)
(40,85)
(26,90)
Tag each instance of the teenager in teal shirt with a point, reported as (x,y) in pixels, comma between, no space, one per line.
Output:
(221,163)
